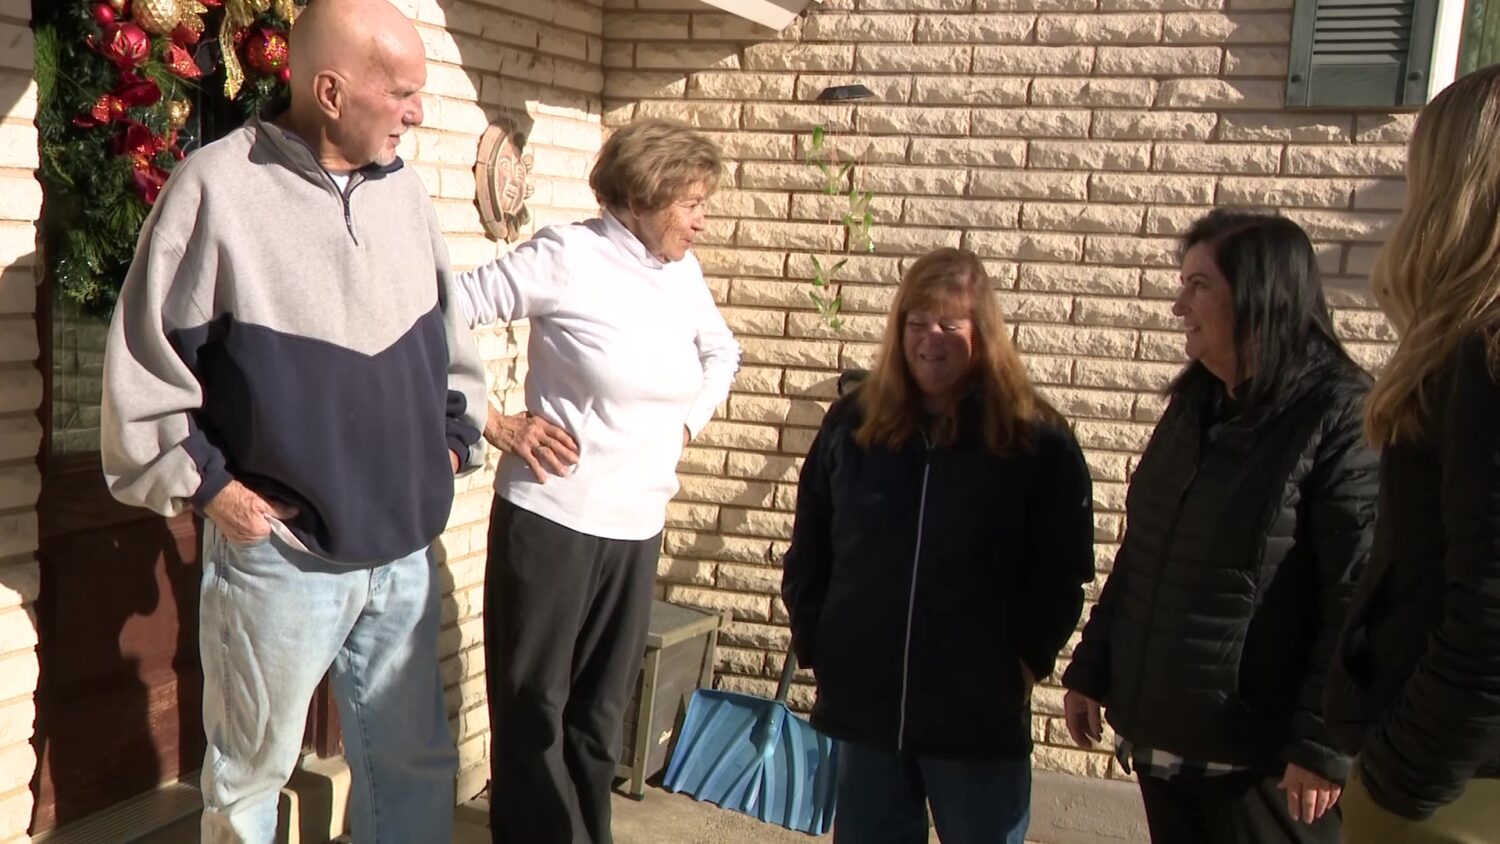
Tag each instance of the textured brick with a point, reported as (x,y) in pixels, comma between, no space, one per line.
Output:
(685,57)
(790,352)
(1130,251)
(1158,125)
(972,90)
(1176,190)
(1343,225)
(966,213)
(1127,313)
(968,152)
(787,117)
(1102,93)
(701,115)
(1090,404)
(781,235)
(1035,307)
(1159,61)
(1256,61)
(1346,161)
(1118,219)
(1024,246)
(1031,123)
(1221,93)
(740,86)
(852,28)
(925,120)
(1033,60)
(1089,155)
(743,606)
(1302,128)
(1020,184)
(1217,158)
(976,29)
(1096,28)
(928,181)
(1384,128)
(814,57)
(1231,28)
(1299,193)
(1124,374)
(925,58)
(1066,278)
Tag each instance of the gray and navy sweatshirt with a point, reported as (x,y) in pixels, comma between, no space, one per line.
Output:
(300,338)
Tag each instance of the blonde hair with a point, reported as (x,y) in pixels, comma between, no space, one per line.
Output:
(951,279)
(1438,276)
(647,165)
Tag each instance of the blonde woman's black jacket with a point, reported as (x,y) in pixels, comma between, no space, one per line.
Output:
(1415,689)
(1245,535)
(920,578)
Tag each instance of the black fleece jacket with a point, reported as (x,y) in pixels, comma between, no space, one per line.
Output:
(920,579)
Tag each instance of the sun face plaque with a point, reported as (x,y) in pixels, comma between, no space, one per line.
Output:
(502,175)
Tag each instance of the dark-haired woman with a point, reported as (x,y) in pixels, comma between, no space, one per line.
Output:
(943,535)
(1249,518)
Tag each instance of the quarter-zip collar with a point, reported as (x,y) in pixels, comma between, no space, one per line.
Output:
(295,154)
(624,238)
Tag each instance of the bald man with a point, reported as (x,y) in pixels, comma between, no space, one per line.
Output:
(286,360)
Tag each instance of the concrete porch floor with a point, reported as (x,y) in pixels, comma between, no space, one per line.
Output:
(660,818)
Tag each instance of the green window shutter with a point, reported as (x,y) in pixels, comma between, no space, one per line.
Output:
(1360,53)
(1480,44)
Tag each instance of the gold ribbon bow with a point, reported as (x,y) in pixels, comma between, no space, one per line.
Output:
(239,14)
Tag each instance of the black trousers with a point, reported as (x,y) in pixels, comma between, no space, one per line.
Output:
(565,620)
(1239,808)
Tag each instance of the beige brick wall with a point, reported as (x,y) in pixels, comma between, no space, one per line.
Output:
(20,432)
(1066,141)
(540,62)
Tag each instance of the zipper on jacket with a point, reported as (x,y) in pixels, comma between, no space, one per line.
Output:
(355,179)
(911,601)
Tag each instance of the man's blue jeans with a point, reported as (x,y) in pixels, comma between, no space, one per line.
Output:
(883,798)
(272,620)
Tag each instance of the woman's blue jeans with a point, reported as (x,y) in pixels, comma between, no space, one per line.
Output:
(883,798)
(272,621)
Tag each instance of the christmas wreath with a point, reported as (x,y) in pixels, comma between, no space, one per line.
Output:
(117,85)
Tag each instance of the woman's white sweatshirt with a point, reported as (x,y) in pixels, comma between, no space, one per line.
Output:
(625,352)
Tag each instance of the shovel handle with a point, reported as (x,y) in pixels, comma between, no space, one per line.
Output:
(785,686)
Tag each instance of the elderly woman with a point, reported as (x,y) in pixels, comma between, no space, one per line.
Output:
(1248,519)
(628,358)
(943,535)
(1415,688)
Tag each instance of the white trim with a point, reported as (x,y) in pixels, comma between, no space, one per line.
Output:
(1446,35)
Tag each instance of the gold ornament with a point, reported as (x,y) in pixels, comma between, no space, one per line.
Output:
(118,6)
(177,113)
(191,14)
(158,17)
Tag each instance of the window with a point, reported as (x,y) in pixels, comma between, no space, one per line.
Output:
(1370,53)
(1386,53)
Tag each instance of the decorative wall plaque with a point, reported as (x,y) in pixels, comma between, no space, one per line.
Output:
(502,175)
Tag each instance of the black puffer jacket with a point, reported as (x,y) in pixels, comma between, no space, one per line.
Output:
(1415,688)
(1212,636)
(919,579)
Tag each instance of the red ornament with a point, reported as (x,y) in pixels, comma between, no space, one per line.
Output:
(126,45)
(186,35)
(149,181)
(180,62)
(266,51)
(104,15)
(284,76)
(136,91)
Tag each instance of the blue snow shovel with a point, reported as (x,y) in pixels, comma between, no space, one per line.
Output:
(753,756)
